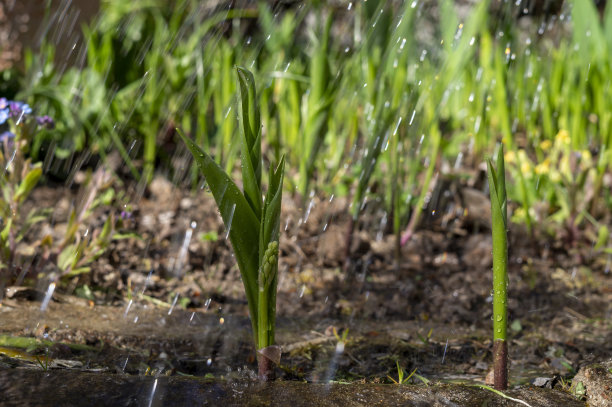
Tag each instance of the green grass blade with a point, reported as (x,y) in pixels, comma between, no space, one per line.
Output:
(376,143)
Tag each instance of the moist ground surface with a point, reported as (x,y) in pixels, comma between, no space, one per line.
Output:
(153,308)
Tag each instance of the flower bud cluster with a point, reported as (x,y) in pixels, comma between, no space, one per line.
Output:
(268,268)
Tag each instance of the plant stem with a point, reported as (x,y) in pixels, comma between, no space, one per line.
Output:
(500,365)
(262,324)
(497,186)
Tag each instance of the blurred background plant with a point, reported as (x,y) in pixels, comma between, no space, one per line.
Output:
(18,127)
(384,106)
(24,248)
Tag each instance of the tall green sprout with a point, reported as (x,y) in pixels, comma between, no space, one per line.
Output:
(497,187)
(255,233)
(319,99)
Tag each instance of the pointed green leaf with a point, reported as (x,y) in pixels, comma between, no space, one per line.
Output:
(235,210)
(77,271)
(493,192)
(29,182)
(251,140)
(5,231)
(270,223)
(501,182)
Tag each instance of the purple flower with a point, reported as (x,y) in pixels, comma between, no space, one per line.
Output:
(4,115)
(7,135)
(126,215)
(19,109)
(3,103)
(46,122)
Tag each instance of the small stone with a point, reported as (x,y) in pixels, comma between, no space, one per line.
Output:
(490,379)
(544,382)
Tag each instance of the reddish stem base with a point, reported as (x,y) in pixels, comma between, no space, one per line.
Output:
(266,369)
(500,365)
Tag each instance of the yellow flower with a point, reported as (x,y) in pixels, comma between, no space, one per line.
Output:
(586,160)
(526,168)
(510,157)
(562,137)
(543,167)
(545,145)
(554,176)
(564,167)
(525,163)
(518,215)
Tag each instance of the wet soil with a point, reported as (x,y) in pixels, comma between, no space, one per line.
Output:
(151,308)
(65,388)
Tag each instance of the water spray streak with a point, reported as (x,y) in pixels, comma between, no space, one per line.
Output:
(48,295)
(151,398)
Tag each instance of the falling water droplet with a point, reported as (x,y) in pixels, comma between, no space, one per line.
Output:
(127,308)
(173,304)
(445,347)
(152,393)
(229,222)
(48,295)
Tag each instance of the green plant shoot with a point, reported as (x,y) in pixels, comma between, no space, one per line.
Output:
(255,235)
(497,187)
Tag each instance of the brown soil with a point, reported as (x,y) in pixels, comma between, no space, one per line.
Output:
(431,311)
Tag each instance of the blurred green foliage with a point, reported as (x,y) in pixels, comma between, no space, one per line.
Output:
(369,104)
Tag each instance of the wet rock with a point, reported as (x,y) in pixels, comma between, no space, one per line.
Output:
(160,187)
(594,382)
(477,251)
(330,247)
(361,244)
(478,207)
(23,293)
(545,382)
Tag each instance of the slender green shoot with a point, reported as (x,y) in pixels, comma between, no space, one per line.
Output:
(400,375)
(497,187)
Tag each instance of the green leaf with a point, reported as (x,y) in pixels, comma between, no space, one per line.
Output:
(496,205)
(235,210)
(77,271)
(270,222)
(29,182)
(251,140)
(66,257)
(7,228)
(501,183)
(107,229)
(602,237)
(130,235)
